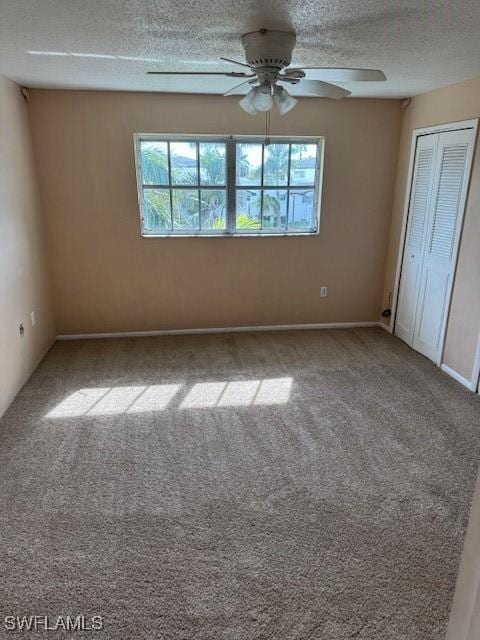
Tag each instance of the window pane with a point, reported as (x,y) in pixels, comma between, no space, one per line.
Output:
(156,210)
(212,163)
(213,210)
(249,163)
(248,209)
(183,159)
(185,209)
(275,164)
(300,209)
(154,162)
(302,164)
(274,209)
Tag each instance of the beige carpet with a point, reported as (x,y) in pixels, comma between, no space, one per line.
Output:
(297,485)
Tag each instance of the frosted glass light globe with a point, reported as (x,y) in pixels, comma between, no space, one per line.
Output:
(262,100)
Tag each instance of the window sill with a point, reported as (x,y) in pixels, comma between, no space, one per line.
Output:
(231,235)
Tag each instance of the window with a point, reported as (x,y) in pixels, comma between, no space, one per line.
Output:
(228,186)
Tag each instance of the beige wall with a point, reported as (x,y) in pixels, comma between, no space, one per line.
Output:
(107,278)
(465,616)
(457,102)
(23,277)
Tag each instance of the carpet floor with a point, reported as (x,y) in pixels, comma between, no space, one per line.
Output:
(287,485)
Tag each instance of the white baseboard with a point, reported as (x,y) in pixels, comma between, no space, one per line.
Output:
(177,332)
(476,367)
(386,327)
(456,376)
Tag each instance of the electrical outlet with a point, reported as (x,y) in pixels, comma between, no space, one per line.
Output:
(323,292)
(33,319)
(21,330)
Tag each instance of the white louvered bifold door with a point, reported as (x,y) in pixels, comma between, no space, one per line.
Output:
(419,207)
(450,183)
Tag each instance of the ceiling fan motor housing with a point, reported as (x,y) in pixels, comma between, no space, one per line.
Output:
(269,49)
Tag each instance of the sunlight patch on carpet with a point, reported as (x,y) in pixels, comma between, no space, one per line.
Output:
(104,401)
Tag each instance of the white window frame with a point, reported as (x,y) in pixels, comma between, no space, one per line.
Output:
(230,183)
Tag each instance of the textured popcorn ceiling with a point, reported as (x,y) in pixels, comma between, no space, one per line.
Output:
(110,44)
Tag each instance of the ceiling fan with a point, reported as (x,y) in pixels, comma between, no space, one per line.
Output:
(268,55)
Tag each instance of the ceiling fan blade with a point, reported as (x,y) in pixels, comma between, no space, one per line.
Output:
(322,89)
(228,74)
(242,64)
(234,90)
(341,74)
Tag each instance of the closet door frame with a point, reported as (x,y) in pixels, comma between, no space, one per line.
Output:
(441,128)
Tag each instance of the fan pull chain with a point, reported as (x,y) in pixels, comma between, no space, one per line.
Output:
(267,128)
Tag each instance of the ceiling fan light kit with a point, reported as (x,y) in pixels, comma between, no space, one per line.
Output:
(264,97)
(247,103)
(268,54)
(283,100)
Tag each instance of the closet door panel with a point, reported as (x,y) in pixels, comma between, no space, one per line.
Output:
(415,237)
(428,330)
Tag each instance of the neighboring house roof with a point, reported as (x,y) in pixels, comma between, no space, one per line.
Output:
(183,161)
(305,163)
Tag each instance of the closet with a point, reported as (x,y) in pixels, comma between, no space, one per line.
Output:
(441,171)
